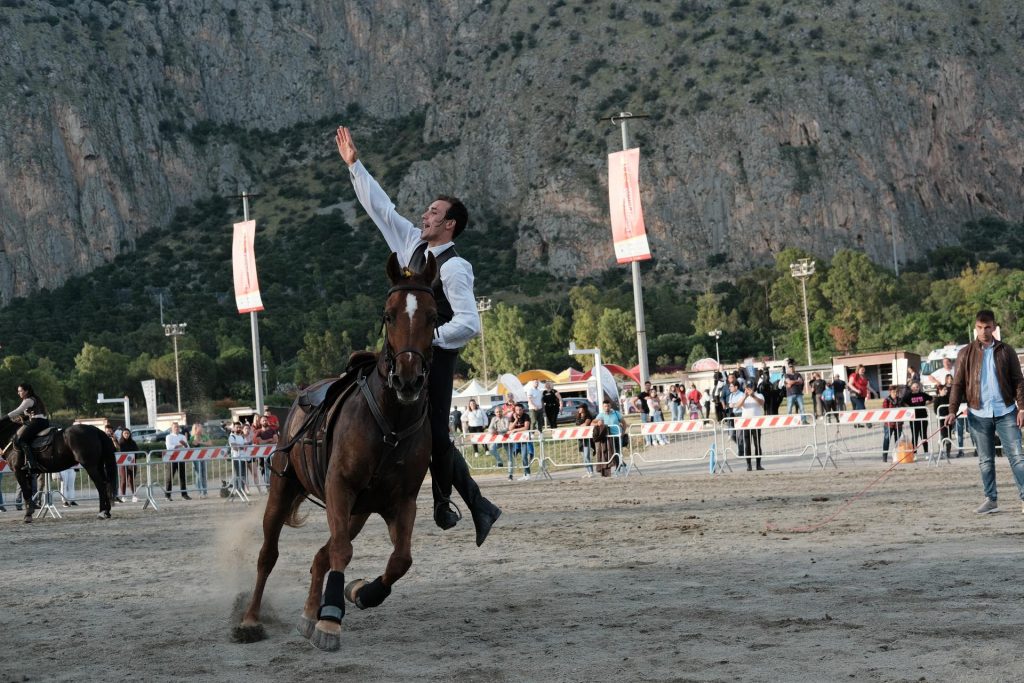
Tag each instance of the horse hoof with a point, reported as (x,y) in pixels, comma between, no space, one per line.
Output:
(328,642)
(305,626)
(248,633)
(352,589)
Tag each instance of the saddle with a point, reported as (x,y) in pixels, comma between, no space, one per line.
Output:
(44,439)
(320,404)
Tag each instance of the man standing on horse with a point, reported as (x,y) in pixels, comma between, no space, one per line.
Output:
(458,322)
(32,414)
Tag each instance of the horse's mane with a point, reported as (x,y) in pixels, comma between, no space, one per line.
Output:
(360,358)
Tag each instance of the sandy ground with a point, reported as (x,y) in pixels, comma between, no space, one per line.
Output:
(660,577)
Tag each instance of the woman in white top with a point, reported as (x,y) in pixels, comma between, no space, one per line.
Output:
(750,404)
(476,421)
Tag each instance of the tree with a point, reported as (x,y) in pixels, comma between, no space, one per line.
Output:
(323,354)
(858,291)
(617,337)
(99,370)
(786,295)
(696,353)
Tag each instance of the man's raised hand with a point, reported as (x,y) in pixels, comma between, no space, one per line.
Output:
(346,148)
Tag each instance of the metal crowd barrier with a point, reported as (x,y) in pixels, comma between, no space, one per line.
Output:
(574,448)
(958,435)
(769,437)
(865,433)
(679,441)
(522,446)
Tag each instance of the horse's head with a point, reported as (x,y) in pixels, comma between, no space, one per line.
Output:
(410,314)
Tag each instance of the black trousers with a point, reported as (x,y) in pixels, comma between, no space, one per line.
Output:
(439,395)
(447,466)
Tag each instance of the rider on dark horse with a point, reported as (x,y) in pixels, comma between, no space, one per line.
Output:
(32,413)
(458,322)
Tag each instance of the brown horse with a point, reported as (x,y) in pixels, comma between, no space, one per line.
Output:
(376,453)
(56,450)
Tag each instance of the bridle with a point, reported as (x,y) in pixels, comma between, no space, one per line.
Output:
(390,356)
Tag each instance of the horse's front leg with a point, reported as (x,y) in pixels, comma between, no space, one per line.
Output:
(27,498)
(327,634)
(317,571)
(363,594)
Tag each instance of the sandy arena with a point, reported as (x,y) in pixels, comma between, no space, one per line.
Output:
(661,577)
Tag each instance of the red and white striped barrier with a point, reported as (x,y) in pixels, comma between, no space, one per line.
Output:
(125,459)
(677,427)
(676,441)
(262,451)
(769,421)
(485,438)
(571,433)
(875,416)
(193,454)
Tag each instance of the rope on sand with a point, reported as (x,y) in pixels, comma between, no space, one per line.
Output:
(769,526)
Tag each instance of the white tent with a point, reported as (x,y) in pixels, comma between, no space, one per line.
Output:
(473,390)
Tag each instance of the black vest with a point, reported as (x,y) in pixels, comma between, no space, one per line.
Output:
(417,261)
(36,410)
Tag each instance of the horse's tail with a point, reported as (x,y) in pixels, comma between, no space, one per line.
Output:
(293,518)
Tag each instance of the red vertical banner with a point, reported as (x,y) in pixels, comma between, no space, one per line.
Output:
(628,231)
(243,261)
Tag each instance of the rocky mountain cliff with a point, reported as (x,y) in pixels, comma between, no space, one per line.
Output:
(872,124)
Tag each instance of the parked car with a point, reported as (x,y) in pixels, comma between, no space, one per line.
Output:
(567,413)
(148,435)
(490,411)
(215,430)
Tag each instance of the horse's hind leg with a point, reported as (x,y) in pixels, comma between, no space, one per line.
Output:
(283,492)
(363,594)
(317,572)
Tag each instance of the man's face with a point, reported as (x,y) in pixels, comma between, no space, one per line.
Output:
(947,363)
(174,428)
(985,331)
(434,223)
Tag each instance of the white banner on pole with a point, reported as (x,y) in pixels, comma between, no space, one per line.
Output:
(149,391)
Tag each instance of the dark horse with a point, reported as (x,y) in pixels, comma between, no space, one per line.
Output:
(376,450)
(56,450)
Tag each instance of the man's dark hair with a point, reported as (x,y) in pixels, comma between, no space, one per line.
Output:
(985,316)
(456,212)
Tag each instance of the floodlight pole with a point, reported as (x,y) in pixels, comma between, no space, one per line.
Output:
(175,330)
(483,304)
(802,270)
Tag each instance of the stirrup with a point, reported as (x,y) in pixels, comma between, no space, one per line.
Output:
(451,507)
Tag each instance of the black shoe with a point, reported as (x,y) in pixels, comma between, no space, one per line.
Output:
(444,516)
(485,514)
(74,504)
(760,468)
(185,496)
(168,496)
(3,509)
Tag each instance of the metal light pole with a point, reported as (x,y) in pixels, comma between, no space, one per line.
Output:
(264,370)
(802,270)
(574,351)
(254,323)
(716,334)
(483,304)
(175,330)
(638,293)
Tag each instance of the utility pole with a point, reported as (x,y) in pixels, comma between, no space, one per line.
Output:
(622,118)
(254,323)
